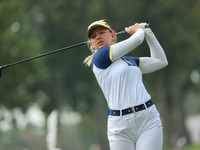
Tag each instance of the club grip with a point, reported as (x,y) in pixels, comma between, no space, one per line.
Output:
(147,25)
(123,32)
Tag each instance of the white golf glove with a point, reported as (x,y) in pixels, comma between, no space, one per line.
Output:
(145,27)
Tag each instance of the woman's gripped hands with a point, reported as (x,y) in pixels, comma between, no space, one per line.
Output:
(132,29)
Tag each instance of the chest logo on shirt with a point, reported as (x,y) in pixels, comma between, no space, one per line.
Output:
(130,62)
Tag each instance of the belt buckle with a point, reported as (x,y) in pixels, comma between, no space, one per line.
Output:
(120,113)
(133,109)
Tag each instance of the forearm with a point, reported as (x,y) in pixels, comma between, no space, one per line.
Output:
(158,58)
(122,48)
(155,47)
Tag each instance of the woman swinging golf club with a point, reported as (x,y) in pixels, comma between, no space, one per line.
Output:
(133,120)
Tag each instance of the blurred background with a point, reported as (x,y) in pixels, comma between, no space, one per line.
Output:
(54,102)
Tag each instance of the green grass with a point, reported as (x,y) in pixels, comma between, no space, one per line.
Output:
(194,147)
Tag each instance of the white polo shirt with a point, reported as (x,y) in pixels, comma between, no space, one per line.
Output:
(120,80)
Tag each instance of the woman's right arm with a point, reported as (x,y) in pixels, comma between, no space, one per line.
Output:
(122,48)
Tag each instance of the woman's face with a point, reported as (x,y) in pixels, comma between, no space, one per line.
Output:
(100,37)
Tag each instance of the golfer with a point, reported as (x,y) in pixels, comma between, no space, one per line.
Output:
(133,120)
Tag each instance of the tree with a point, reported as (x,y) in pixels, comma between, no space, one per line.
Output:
(33,27)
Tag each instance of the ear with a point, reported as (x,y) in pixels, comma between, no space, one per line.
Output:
(90,43)
(113,36)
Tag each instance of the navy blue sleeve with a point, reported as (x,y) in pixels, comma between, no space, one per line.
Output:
(101,58)
(131,61)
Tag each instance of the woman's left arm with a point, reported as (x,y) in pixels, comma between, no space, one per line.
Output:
(158,58)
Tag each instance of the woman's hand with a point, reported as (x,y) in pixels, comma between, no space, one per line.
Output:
(132,29)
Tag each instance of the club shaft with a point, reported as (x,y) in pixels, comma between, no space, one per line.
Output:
(42,55)
(49,53)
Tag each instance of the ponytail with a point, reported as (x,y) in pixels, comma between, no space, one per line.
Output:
(88,60)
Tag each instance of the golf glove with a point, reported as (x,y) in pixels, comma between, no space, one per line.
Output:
(145,27)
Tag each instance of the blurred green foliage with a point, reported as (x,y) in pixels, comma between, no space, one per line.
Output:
(32,27)
(195,147)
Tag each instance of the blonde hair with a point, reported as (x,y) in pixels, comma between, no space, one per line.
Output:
(88,60)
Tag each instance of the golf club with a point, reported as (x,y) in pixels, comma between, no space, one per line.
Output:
(45,54)
(52,52)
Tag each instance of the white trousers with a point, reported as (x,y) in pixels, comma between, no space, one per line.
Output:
(137,131)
